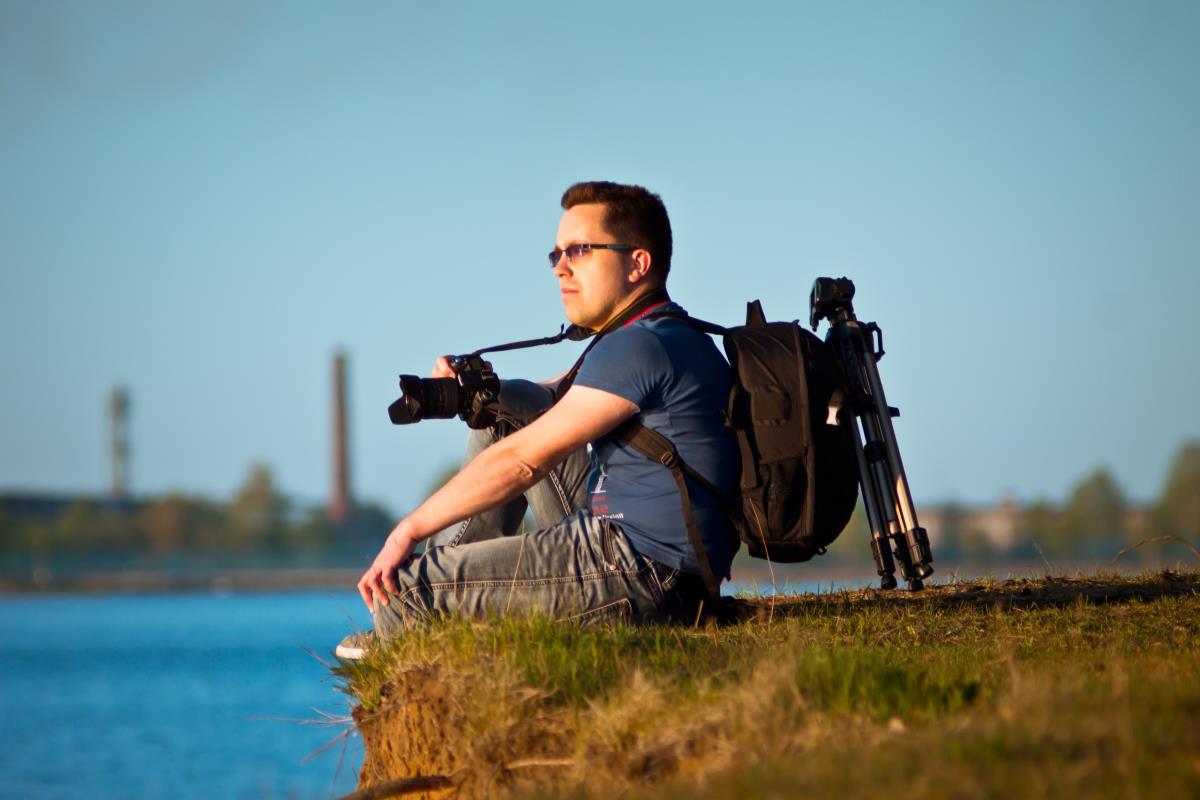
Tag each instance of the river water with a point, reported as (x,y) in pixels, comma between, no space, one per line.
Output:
(174,695)
(184,695)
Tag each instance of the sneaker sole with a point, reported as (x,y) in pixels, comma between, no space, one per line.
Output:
(350,652)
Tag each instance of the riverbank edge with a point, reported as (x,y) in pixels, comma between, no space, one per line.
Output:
(407,707)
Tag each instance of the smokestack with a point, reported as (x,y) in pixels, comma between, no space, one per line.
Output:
(118,421)
(339,501)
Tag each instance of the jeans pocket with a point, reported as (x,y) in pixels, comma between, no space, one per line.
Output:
(616,611)
(666,576)
(661,580)
(607,549)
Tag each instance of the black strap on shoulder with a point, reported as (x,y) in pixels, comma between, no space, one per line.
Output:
(655,297)
(698,324)
(655,446)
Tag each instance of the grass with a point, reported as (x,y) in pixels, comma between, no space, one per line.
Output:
(1057,687)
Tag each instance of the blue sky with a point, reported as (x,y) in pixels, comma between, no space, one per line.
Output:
(203,201)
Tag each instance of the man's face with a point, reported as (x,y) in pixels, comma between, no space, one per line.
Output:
(600,282)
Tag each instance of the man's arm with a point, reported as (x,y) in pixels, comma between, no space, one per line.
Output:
(497,475)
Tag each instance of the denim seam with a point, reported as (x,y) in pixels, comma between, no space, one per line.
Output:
(404,598)
(466,523)
(624,605)
(503,582)
(462,529)
(561,492)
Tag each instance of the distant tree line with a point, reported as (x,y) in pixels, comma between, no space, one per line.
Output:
(259,519)
(1096,522)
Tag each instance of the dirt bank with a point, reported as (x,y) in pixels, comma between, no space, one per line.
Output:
(864,679)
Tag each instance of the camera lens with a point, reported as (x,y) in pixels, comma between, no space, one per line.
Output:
(425,398)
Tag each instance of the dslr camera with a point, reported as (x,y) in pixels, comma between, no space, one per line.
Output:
(473,394)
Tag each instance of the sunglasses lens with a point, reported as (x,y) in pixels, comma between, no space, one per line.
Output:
(555,255)
(575,251)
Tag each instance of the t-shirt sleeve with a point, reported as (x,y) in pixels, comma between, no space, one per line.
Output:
(630,363)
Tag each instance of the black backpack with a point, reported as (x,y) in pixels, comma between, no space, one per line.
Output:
(799,476)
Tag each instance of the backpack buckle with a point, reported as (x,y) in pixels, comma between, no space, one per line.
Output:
(669,460)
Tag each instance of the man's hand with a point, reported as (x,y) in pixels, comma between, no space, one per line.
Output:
(441,369)
(379,579)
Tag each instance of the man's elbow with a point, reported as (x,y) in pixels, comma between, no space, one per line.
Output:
(529,472)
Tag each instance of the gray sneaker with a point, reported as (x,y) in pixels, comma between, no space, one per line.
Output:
(355,646)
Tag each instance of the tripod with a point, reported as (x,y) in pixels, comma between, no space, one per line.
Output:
(890,511)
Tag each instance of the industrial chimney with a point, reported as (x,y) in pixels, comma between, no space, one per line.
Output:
(339,500)
(118,422)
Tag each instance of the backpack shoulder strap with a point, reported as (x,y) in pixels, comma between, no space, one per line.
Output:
(698,324)
(657,447)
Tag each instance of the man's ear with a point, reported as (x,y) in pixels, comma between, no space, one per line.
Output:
(639,268)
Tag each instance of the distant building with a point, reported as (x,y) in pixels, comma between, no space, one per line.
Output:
(1000,527)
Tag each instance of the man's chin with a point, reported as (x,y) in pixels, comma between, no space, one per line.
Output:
(573,316)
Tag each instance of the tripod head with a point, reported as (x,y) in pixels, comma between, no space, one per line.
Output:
(830,299)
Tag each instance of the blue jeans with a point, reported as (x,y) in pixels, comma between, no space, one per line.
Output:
(574,566)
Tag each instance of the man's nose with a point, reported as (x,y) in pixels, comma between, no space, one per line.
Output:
(562,269)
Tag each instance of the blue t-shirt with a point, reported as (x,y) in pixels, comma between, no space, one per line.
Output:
(680,383)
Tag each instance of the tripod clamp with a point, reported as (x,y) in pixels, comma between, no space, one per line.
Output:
(877,331)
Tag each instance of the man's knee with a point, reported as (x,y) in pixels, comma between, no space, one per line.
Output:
(523,400)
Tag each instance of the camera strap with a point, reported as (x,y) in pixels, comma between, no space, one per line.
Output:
(577,333)
(657,297)
(573,332)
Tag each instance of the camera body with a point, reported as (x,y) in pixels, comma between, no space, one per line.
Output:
(830,299)
(473,395)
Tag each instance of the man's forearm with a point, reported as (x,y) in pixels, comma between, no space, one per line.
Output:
(495,476)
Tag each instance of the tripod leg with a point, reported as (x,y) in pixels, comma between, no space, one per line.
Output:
(880,457)
(884,565)
(885,488)
(874,452)
(916,540)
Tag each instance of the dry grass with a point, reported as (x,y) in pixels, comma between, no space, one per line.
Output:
(1058,687)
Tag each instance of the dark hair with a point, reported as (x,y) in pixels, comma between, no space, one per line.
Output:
(633,214)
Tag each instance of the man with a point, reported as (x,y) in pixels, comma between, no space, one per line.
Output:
(627,555)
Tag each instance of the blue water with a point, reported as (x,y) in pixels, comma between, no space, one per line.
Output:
(179,695)
(186,696)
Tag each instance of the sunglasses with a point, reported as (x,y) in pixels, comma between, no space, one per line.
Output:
(577,251)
